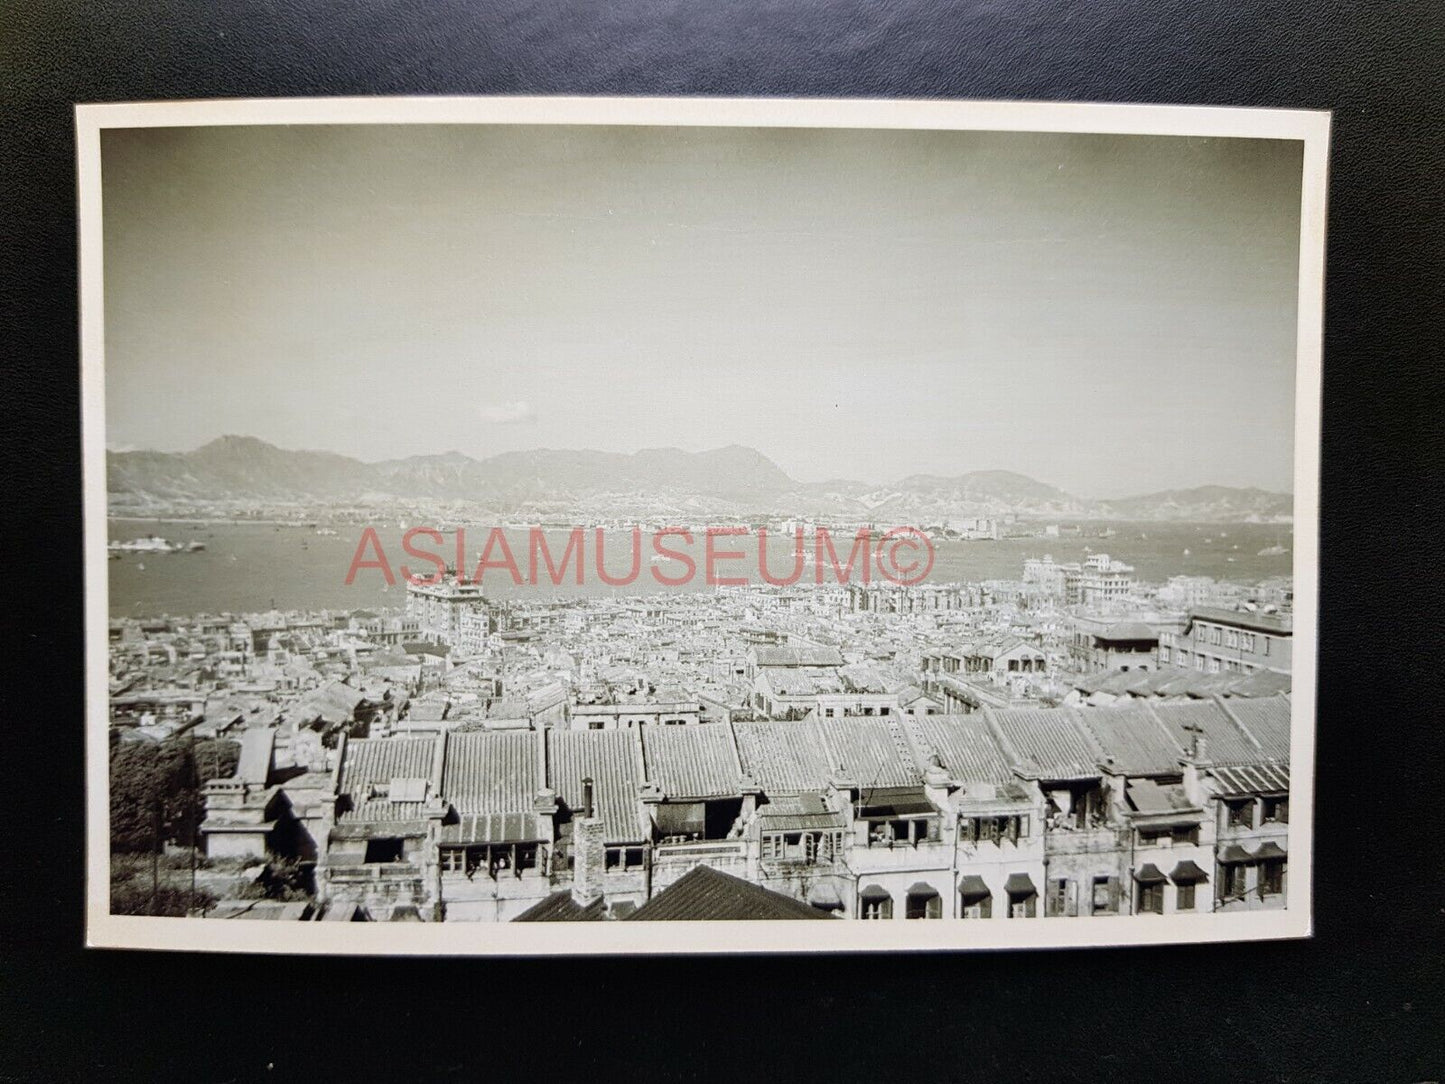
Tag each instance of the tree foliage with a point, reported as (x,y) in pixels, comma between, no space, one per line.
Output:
(155,789)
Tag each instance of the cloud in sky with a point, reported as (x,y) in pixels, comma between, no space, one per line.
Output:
(514,413)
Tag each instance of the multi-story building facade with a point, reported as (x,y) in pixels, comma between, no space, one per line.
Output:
(1215,641)
(438,609)
(1146,808)
(1098,582)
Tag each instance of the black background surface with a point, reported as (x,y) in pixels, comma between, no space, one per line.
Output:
(1361,1001)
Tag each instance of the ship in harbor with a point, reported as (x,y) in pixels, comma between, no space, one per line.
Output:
(154,544)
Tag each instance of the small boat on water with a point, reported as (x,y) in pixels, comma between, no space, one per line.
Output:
(1273,551)
(149,544)
(1186,553)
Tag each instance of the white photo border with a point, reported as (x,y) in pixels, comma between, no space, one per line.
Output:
(104,930)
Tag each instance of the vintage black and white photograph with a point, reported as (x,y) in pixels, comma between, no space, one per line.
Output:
(524,522)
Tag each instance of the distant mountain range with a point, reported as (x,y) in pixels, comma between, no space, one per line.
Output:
(735,479)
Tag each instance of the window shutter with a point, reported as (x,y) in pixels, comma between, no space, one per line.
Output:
(1113,894)
(985,907)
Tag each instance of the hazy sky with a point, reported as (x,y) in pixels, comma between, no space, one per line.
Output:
(1111,314)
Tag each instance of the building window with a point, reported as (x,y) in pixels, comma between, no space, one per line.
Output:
(625,858)
(383,850)
(875,904)
(978,907)
(905,831)
(1057,902)
(1277,810)
(1151,899)
(1184,898)
(807,848)
(1241,813)
(1023,904)
(993,829)
(1106,896)
(1233,883)
(453,859)
(923,903)
(1271,877)
(1178,835)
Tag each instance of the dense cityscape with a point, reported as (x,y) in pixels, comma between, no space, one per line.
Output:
(1072,742)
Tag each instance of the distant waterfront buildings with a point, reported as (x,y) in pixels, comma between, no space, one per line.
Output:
(446,610)
(1097,581)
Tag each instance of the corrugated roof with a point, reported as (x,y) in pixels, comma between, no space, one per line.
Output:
(1148,796)
(1268,719)
(703,893)
(497,828)
(797,655)
(612,759)
(1128,630)
(784,757)
(965,745)
(797,812)
(561,907)
(378,760)
(1135,738)
(871,751)
(698,761)
(1278,624)
(1179,681)
(396,815)
(1262,683)
(1048,742)
(1251,779)
(492,772)
(1228,743)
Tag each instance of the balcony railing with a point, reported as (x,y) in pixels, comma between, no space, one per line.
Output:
(374,871)
(701,848)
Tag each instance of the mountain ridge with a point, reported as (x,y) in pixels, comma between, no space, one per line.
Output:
(733,478)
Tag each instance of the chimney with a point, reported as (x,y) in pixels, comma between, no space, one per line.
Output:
(589,851)
(1198,759)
